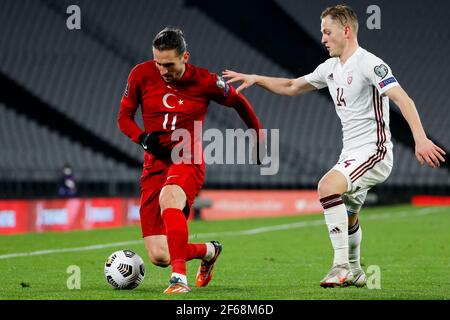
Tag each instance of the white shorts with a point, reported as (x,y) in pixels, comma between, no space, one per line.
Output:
(363,169)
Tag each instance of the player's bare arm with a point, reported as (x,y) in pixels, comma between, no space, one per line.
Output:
(426,150)
(281,86)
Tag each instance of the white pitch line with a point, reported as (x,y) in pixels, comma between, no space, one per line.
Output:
(63,250)
(254,231)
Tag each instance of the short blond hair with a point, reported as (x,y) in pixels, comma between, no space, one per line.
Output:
(344,14)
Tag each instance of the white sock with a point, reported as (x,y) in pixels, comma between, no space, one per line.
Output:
(354,242)
(183,277)
(337,223)
(210,251)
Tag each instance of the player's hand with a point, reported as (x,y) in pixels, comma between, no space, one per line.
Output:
(428,152)
(150,142)
(246,79)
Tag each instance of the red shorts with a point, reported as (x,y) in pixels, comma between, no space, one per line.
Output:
(189,177)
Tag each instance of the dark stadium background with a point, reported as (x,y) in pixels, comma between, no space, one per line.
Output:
(60,89)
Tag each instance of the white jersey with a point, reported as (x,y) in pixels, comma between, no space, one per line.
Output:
(357,89)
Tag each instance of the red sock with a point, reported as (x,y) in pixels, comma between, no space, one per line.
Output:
(196,251)
(177,238)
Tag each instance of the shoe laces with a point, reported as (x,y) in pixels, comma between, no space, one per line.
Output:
(175,280)
(204,266)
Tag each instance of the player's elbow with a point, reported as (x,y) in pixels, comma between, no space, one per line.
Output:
(291,89)
(295,87)
(120,125)
(123,125)
(122,122)
(404,101)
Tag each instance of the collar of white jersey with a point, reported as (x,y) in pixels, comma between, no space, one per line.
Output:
(354,54)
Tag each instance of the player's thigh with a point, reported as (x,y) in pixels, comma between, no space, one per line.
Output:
(182,184)
(150,211)
(333,182)
(375,173)
(157,249)
(363,170)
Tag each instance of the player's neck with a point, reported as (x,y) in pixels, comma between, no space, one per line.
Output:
(182,73)
(348,52)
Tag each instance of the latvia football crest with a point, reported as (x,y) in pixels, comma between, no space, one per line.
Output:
(350,78)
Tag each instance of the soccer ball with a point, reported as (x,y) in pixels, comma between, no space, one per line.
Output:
(124,269)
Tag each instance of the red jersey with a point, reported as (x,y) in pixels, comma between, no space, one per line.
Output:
(176,105)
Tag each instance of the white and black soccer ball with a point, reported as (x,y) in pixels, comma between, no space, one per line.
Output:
(124,269)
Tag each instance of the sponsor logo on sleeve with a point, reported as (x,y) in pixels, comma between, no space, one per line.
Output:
(386,82)
(221,84)
(125,93)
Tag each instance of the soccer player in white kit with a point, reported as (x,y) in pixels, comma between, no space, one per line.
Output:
(361,85)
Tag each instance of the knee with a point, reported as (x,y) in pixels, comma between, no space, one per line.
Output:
(166,199)
(325,188)
(160,263)
(159,258)
(172,197)
(331,184)
(352,220)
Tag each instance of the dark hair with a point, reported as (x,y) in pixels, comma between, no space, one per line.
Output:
(170,38)
(343,13)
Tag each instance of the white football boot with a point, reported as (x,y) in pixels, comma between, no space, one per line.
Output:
(359,279)
(339,276)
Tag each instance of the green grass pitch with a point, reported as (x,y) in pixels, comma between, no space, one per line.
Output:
(272,258)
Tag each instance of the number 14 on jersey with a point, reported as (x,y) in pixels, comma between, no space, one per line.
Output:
(339,97)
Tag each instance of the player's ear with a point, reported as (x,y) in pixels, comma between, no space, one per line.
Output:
(186,56)
(347,31)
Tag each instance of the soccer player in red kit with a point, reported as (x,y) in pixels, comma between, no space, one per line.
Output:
(173,95)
